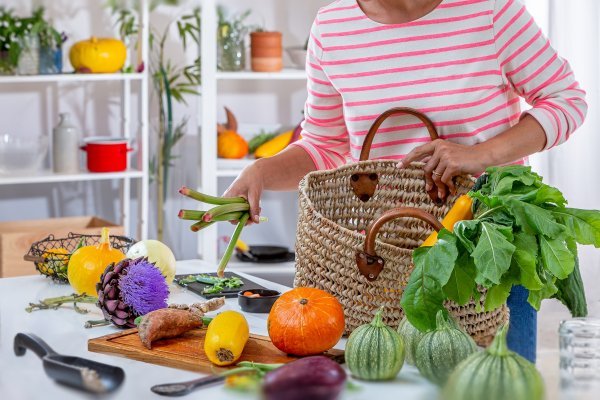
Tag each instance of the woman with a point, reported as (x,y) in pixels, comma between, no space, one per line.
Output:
(464,63)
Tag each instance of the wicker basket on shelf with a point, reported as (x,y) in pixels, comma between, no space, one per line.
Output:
(51,256)
(352,243)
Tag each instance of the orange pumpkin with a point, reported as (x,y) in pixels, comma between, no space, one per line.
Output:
(231,145)
(305,321)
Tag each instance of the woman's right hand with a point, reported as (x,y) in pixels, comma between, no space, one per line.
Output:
(249,185)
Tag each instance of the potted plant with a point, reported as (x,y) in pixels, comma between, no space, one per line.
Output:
(231,45)
(266,51)
(10,49)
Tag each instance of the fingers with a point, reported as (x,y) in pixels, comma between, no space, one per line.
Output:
(447,178)
(418,154)
(429,168)
(437,174)
(254,201)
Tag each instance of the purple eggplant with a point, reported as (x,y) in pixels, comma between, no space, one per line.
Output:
(315,378)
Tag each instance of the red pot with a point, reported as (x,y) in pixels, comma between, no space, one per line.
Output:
(106,154)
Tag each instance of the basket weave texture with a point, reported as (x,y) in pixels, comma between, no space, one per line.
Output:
(331,226)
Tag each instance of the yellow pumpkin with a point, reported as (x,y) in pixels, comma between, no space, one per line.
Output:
(226,337)
(88,263)
(231,144)
(98,55)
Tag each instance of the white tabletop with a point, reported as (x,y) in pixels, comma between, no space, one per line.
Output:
(23,378)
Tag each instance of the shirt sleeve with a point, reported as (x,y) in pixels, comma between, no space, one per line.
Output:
(537,72)
(324,132)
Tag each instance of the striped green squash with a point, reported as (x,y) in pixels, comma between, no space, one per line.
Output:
(374,351)
(440,351)
(411,337)
(495,374)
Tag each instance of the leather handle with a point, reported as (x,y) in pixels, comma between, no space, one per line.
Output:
(366,148)
(365,184)
(369,263)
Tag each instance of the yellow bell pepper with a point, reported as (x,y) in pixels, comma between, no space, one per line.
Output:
(226,337)
(461,210)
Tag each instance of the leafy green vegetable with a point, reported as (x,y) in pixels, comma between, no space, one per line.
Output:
(556,257)
(461,285)
(583,225)
(215,284)
(492,254)
(424,292)
(521,234)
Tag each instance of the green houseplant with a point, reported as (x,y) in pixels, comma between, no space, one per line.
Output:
(171,84)
(231,40)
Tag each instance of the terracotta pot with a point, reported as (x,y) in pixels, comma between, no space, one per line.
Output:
(266,51)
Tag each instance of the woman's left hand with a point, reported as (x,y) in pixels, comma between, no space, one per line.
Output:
(445,160)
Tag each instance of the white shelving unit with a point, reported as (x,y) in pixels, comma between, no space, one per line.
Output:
(212,168)
(138,172)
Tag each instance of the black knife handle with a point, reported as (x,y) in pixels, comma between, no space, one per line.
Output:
(24,341)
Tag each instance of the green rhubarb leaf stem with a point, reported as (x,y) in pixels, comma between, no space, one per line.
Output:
(225,209)
(193,215)
(232,243)
(204,198)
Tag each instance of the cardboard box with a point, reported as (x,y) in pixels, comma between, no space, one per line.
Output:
(16,237)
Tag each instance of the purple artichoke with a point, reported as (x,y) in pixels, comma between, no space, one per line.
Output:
(129,289)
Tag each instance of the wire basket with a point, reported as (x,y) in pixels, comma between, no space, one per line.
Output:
(51,256)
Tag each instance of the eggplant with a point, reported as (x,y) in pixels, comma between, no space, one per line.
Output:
(315,378)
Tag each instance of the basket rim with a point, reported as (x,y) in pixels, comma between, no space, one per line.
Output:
(303,187)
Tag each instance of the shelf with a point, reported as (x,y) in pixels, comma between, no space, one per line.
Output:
(49,177)
(69,78)
(285,74)
(232,168)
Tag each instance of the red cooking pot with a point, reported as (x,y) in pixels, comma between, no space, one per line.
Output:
(106,154)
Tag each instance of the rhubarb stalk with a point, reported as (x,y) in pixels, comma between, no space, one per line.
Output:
(231,245)
(204,198)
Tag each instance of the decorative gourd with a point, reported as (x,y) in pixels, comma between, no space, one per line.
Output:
(374,351)
(158,253)
(440,351)
(231,144)
(104,55)
(495,374)
(305,321)
(411,337)
(88,263)
(226,337)
(274,146)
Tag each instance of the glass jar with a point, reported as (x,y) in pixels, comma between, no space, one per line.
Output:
(231,50)
(50,60)
(29,59)
(580,358)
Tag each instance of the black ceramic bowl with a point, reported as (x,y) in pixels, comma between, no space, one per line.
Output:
(260,304)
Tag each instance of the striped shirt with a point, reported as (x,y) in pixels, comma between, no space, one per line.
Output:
(465,65)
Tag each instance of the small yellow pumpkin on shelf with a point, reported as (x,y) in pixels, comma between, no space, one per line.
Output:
(98,55)
(88,263)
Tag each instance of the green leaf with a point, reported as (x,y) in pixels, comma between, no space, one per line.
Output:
(424,295)
(524,259)
(548,289)
(511,185)
(583,225)
(461,285)
(492,254)
(571,291)
(497,295)
(556,257)
(549,194)
(467,231)
(533,219)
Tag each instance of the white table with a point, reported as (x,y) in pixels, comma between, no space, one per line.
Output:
(23,378)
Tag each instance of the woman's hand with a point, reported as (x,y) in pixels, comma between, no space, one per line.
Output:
(445,160)
(249,185)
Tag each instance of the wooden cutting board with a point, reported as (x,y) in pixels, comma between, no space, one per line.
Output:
(186,352)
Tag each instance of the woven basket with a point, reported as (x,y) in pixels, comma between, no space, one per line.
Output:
(340,209)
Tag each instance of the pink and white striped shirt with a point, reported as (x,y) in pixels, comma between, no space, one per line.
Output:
(465,65)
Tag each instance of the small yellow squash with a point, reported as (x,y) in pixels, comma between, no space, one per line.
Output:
(98,55)
(274,146)
(226,338)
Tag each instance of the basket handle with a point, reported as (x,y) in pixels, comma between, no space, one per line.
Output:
(369,263)
(364,184)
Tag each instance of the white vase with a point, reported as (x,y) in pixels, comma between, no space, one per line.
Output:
(65,146)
